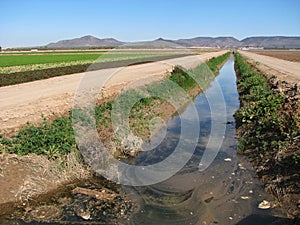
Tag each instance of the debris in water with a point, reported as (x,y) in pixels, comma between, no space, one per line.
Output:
(122,212)
(241,166)
(245,197)
(264,205)
(227,160)
(208,200)
(251,192)
(230,218)
(85,215)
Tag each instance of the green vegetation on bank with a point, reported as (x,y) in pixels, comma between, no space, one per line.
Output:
(266,126)
(51,139)
(57,137)
(217,62)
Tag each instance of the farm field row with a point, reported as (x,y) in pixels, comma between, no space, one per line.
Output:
(293,56)
(17,63)
(24,60)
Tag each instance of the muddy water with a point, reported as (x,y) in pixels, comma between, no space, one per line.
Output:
(227,192)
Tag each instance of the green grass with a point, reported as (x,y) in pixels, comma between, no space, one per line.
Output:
(216,62)
(51,139)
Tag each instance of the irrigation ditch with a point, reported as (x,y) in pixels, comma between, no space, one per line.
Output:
(267,123)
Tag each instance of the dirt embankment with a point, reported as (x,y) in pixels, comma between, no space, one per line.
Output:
(278,168)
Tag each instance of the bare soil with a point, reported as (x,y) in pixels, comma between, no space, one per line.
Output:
(293,56)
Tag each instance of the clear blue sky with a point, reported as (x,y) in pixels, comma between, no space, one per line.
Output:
(38,22)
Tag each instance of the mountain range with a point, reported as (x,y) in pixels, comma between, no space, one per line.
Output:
(221,42)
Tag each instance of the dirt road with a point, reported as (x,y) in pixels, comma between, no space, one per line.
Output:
(27,102)
(283,69)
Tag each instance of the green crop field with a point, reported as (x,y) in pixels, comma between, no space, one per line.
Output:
(56,52)
(21,60)
(54,58)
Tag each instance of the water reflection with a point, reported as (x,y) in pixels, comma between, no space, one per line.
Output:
(224,193)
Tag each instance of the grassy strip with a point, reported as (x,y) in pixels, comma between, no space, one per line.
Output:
(57,138)
(216,63)
(28,76)
(265,124)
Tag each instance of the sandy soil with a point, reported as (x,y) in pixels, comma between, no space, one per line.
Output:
(283,69)
(26,102)
(293,56)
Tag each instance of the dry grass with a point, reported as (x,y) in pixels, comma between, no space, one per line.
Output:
(32,175)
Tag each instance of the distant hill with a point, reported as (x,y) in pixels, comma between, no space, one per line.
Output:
(272,42)
(86,41)
(221,42)
(157,43)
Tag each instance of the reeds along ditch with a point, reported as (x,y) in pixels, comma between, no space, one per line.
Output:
(56,138)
